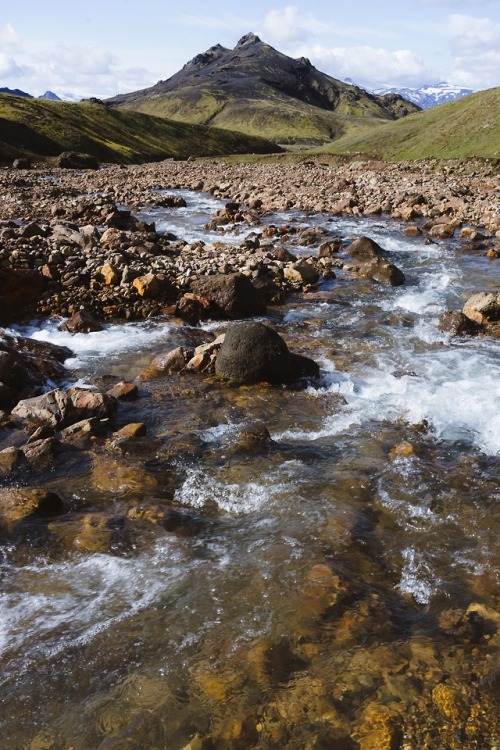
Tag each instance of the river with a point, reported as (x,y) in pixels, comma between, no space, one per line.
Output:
(304,590)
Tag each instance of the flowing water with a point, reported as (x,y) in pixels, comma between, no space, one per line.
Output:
(292,591)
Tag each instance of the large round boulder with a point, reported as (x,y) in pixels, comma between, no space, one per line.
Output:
(253,352)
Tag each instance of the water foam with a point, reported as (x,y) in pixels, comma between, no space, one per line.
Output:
(88,348)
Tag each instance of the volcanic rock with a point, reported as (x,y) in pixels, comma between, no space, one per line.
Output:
(233,296)
(253,352)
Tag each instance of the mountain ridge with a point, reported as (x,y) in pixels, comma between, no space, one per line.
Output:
(256,89)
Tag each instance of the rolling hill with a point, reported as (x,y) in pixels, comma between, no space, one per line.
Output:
(257,90)
(44,128)
(464,128)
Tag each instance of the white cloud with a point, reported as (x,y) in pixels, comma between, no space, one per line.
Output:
(86,71)
(368,65)
(289,25)
(475,47)
(9,38)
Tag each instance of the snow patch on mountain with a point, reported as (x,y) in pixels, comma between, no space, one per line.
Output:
(429,95)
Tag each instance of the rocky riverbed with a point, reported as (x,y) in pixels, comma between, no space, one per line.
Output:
(203,548)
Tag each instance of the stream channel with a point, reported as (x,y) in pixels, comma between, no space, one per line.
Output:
(300,580)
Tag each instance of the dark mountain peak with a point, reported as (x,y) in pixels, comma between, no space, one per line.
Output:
(248,39)
(305,61)
(206,58)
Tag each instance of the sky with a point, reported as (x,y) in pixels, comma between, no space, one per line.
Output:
(104,47)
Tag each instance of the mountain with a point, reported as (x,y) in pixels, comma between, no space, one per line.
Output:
(15,92)
(430,95)
(255,89)
(38,127)
(51,96)
(464,128)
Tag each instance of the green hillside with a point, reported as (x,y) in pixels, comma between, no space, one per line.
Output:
(464,128)
(43,128)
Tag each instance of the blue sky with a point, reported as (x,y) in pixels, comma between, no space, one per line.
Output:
(103,47)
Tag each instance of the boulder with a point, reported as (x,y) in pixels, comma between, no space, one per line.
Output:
(20,291)
(72,160)
(370,257)
(81,322)
(192,308)
(483,307)
(17,504)
(124,391)
(232,296)
(167,363)
(253,352)
(457,324)
(88,404)
(53,409)
(383,271)
(147,286)
(302,273)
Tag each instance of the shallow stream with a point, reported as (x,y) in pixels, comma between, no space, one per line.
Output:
(299,595)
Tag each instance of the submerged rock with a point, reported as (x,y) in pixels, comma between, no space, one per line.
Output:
(253,352)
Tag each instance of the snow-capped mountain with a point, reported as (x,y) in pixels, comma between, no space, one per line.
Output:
(430,95)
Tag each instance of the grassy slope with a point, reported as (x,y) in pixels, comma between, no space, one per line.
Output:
(464,128)
(30,127)
(274,117)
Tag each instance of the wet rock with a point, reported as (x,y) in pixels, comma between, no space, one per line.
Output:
(41,453)
(123,391)
(82,432)
(81,322)
(88,404)
(483,307)
(10,459)
(233,296)
(450,702)
(205,355)
(402,450)
(380,728)
(372,263)
(17,504)
(458,324)
(167,363)
(132,430)
(93,533)
(53,409)
(120,477)
(301,273)
(253,352)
